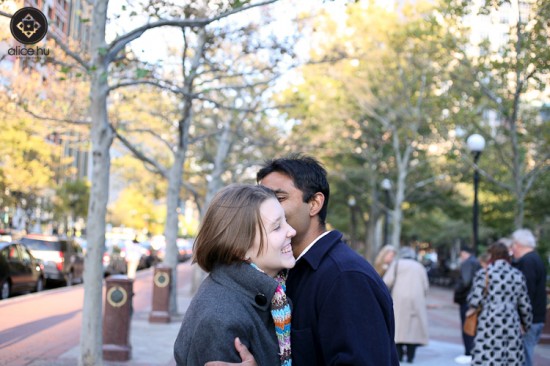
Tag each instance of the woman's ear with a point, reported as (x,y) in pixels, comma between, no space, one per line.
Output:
(316,203)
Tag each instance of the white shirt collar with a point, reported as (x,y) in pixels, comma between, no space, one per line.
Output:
(310,245)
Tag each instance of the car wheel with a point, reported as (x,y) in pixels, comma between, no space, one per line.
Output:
(69,278)
(5,290)
(39,285)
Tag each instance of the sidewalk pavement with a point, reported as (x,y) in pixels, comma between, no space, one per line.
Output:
(445,335)
(152,344)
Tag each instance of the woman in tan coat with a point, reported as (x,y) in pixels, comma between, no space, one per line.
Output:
(408,282)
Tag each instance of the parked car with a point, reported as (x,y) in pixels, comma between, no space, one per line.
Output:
(185,249)
(5,235)
(19,270)
(62,257)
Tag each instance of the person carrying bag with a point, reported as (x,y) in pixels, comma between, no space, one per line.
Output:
(470,323)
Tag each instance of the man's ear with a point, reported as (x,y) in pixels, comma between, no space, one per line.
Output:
(316,204)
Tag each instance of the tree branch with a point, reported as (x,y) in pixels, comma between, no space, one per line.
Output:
(119,43)
(491,179)
(536,171)
(140,155)
(68,51)
(58,120)
(152,133)
(162,85)
(424,183)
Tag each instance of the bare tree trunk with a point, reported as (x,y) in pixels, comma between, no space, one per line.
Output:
(402,160)
(520,211)
(102,137)
(176,172)
(214,184)
(175,179)
(397,214)
(371,242)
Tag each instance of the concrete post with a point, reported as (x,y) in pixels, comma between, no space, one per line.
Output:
(117,318)
(161,294)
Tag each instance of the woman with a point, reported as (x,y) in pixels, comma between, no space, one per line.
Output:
(244,243)
(384,259)
(505,309)
(408,282)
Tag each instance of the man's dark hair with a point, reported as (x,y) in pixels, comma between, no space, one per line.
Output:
(308,176)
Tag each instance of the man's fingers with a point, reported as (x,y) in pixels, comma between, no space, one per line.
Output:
(246,356)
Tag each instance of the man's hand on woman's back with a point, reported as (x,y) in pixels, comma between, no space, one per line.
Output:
(246,357)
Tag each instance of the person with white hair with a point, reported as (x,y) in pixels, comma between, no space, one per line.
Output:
(532,267)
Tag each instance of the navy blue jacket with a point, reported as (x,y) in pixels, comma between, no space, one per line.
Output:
(532,267)
(343,312)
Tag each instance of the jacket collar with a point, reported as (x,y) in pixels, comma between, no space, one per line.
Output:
(257,287)
(315,254)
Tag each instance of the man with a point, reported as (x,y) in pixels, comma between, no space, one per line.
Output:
(532,267)
(469,265)
(342,311)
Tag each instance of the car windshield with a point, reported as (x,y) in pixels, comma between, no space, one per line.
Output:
(35,244)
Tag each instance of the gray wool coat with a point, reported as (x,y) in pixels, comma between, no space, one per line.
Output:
(233,301)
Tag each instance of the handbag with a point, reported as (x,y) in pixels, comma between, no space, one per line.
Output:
(470,323)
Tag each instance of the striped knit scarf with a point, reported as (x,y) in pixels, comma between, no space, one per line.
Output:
(280,311)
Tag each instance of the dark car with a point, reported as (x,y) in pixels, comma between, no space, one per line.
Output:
(62,257)
(185,249)
(19,270)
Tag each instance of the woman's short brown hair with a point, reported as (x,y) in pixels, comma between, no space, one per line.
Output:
(497,251)
(228,228)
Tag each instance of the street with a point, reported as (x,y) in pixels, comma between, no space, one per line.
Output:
(50,317)
(53,318)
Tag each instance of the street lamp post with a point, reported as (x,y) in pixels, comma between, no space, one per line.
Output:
(476,144)
(386,186)
(352,202)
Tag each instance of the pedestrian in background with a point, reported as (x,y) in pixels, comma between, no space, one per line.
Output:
(484,259)
(505,311)
(469,265)
(244,243)
(409,283)
(384,259)
(531,265)
(133,253)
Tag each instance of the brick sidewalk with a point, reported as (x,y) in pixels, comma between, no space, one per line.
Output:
(445,335)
